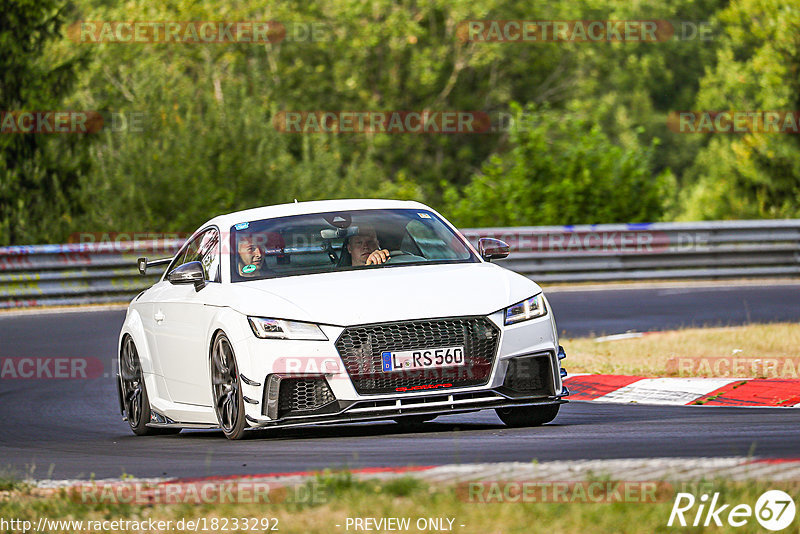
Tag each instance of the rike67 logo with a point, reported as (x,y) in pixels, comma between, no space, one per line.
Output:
(774,510)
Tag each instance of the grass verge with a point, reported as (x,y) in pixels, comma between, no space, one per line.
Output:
(650,354)
(340,496)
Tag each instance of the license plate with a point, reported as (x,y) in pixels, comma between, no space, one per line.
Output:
(409,360)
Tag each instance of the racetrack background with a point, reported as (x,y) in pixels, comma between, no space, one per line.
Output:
(71,428)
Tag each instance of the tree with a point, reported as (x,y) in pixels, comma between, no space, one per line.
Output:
(750,175)
(562,169)
(39,174)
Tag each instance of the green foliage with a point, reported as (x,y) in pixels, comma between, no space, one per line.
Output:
(7,484)
(562,169)
(10,480)
(39,174)
(753,175)
(599,149)
(404,486)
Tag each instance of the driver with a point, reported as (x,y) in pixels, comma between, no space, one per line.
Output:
(251,256)
(365,249)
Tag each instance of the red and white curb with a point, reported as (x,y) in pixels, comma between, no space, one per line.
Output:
(646,469)
(752,392)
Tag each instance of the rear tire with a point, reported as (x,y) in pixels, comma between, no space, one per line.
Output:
(227,388)
(134,392)
(414,420)
(528,415)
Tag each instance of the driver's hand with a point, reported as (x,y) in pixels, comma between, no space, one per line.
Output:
(377,257)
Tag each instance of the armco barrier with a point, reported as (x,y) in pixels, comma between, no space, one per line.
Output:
(696,250)
(37,275)
(53,275)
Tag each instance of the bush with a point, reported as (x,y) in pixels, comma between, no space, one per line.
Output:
(561,169)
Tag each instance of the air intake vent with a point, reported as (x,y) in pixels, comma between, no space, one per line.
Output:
(287,396)
(530,375)
(304,394)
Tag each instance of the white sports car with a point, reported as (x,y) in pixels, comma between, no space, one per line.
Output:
(332,312)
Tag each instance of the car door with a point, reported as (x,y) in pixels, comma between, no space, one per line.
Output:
(182,317)
(145,304)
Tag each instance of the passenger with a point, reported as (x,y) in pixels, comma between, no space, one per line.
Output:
(251,256)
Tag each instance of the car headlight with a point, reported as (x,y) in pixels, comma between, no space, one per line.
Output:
(527,309)
(280,329)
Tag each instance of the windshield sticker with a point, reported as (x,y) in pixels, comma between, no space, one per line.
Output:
(248,268)
(424,216)
(242,226)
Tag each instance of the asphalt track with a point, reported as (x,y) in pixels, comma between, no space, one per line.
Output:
(70,428)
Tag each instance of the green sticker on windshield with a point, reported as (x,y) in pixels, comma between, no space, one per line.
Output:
(248,268)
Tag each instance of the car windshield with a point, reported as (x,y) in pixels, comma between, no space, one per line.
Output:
(342,240)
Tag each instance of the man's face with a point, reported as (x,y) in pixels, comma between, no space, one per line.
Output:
(250,253)
(362,245)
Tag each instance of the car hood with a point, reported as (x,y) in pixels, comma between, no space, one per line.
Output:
(385,294)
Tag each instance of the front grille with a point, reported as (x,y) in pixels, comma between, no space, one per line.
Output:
(361,346)
(303,394)
(530,375)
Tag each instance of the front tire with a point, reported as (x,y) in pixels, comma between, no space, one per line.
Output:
(134,392)
(528,415)
(227,389)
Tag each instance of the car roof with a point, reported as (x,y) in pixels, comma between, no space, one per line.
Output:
(303,208)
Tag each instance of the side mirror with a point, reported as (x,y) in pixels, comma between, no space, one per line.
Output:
(492,249)
(188,273)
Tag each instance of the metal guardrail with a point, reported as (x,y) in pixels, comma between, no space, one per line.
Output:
(54,275)
(37,275)
(610,252)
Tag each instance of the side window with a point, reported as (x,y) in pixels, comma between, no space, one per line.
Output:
(178,260)
(205,249)
(432,242)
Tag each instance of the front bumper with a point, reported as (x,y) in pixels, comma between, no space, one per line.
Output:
(260,360)
(375,410)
